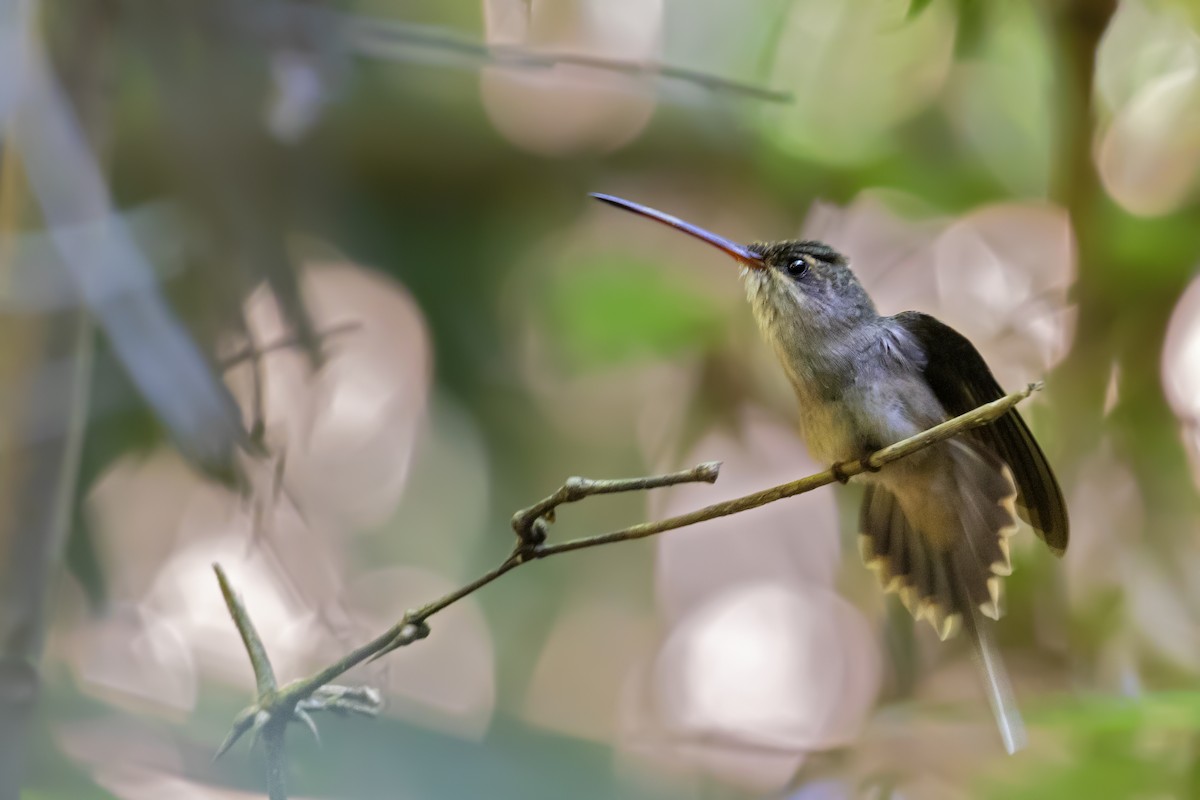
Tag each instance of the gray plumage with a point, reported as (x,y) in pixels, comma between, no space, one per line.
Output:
(934,525)
(863,381)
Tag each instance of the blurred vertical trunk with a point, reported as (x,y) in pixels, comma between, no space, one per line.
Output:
(1121,318)
(1080,25)
(45,365)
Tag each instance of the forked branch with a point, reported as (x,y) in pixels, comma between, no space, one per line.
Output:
(276,706)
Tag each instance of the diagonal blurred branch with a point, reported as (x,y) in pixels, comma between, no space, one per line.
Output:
(53,130)
(37,281)
(404,41)
(280,706)
(115,280)
(650,69)
(393,40)
(38,473)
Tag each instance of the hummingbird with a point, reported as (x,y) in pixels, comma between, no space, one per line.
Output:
(935,525)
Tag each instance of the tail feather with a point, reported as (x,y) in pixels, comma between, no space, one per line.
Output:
(905,563)
(943,547)
(923,586)
(876,518)
(968,542)
(899,563)
(996,682)
(942,611)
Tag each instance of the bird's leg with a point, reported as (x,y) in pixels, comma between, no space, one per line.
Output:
(839,472)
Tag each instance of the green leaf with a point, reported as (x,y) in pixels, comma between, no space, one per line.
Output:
(611,310)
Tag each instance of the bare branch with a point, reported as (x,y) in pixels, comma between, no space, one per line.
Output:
(264,675)
(530,525)
(972,419)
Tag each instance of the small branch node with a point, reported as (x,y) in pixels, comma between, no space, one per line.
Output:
(843,471)
(530,523)
(576,488)
(539,530)
(414,631)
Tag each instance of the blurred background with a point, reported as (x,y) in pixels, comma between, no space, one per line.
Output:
(314,289)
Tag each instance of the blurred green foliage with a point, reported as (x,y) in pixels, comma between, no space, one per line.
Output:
(1108,753)
(608,310)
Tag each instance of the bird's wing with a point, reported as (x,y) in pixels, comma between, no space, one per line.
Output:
(962,381)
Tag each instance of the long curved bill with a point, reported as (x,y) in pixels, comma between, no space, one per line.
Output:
(738,251)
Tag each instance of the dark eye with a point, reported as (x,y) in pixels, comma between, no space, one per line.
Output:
(797,268)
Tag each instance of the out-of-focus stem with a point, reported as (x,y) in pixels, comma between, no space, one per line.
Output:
(37,472)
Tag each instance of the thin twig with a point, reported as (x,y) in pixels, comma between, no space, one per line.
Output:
(524,522)
(972,419)
(712,83)
(379,38)
(289,341)
(264,675)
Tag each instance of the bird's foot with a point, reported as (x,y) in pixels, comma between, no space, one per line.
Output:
(862,465)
